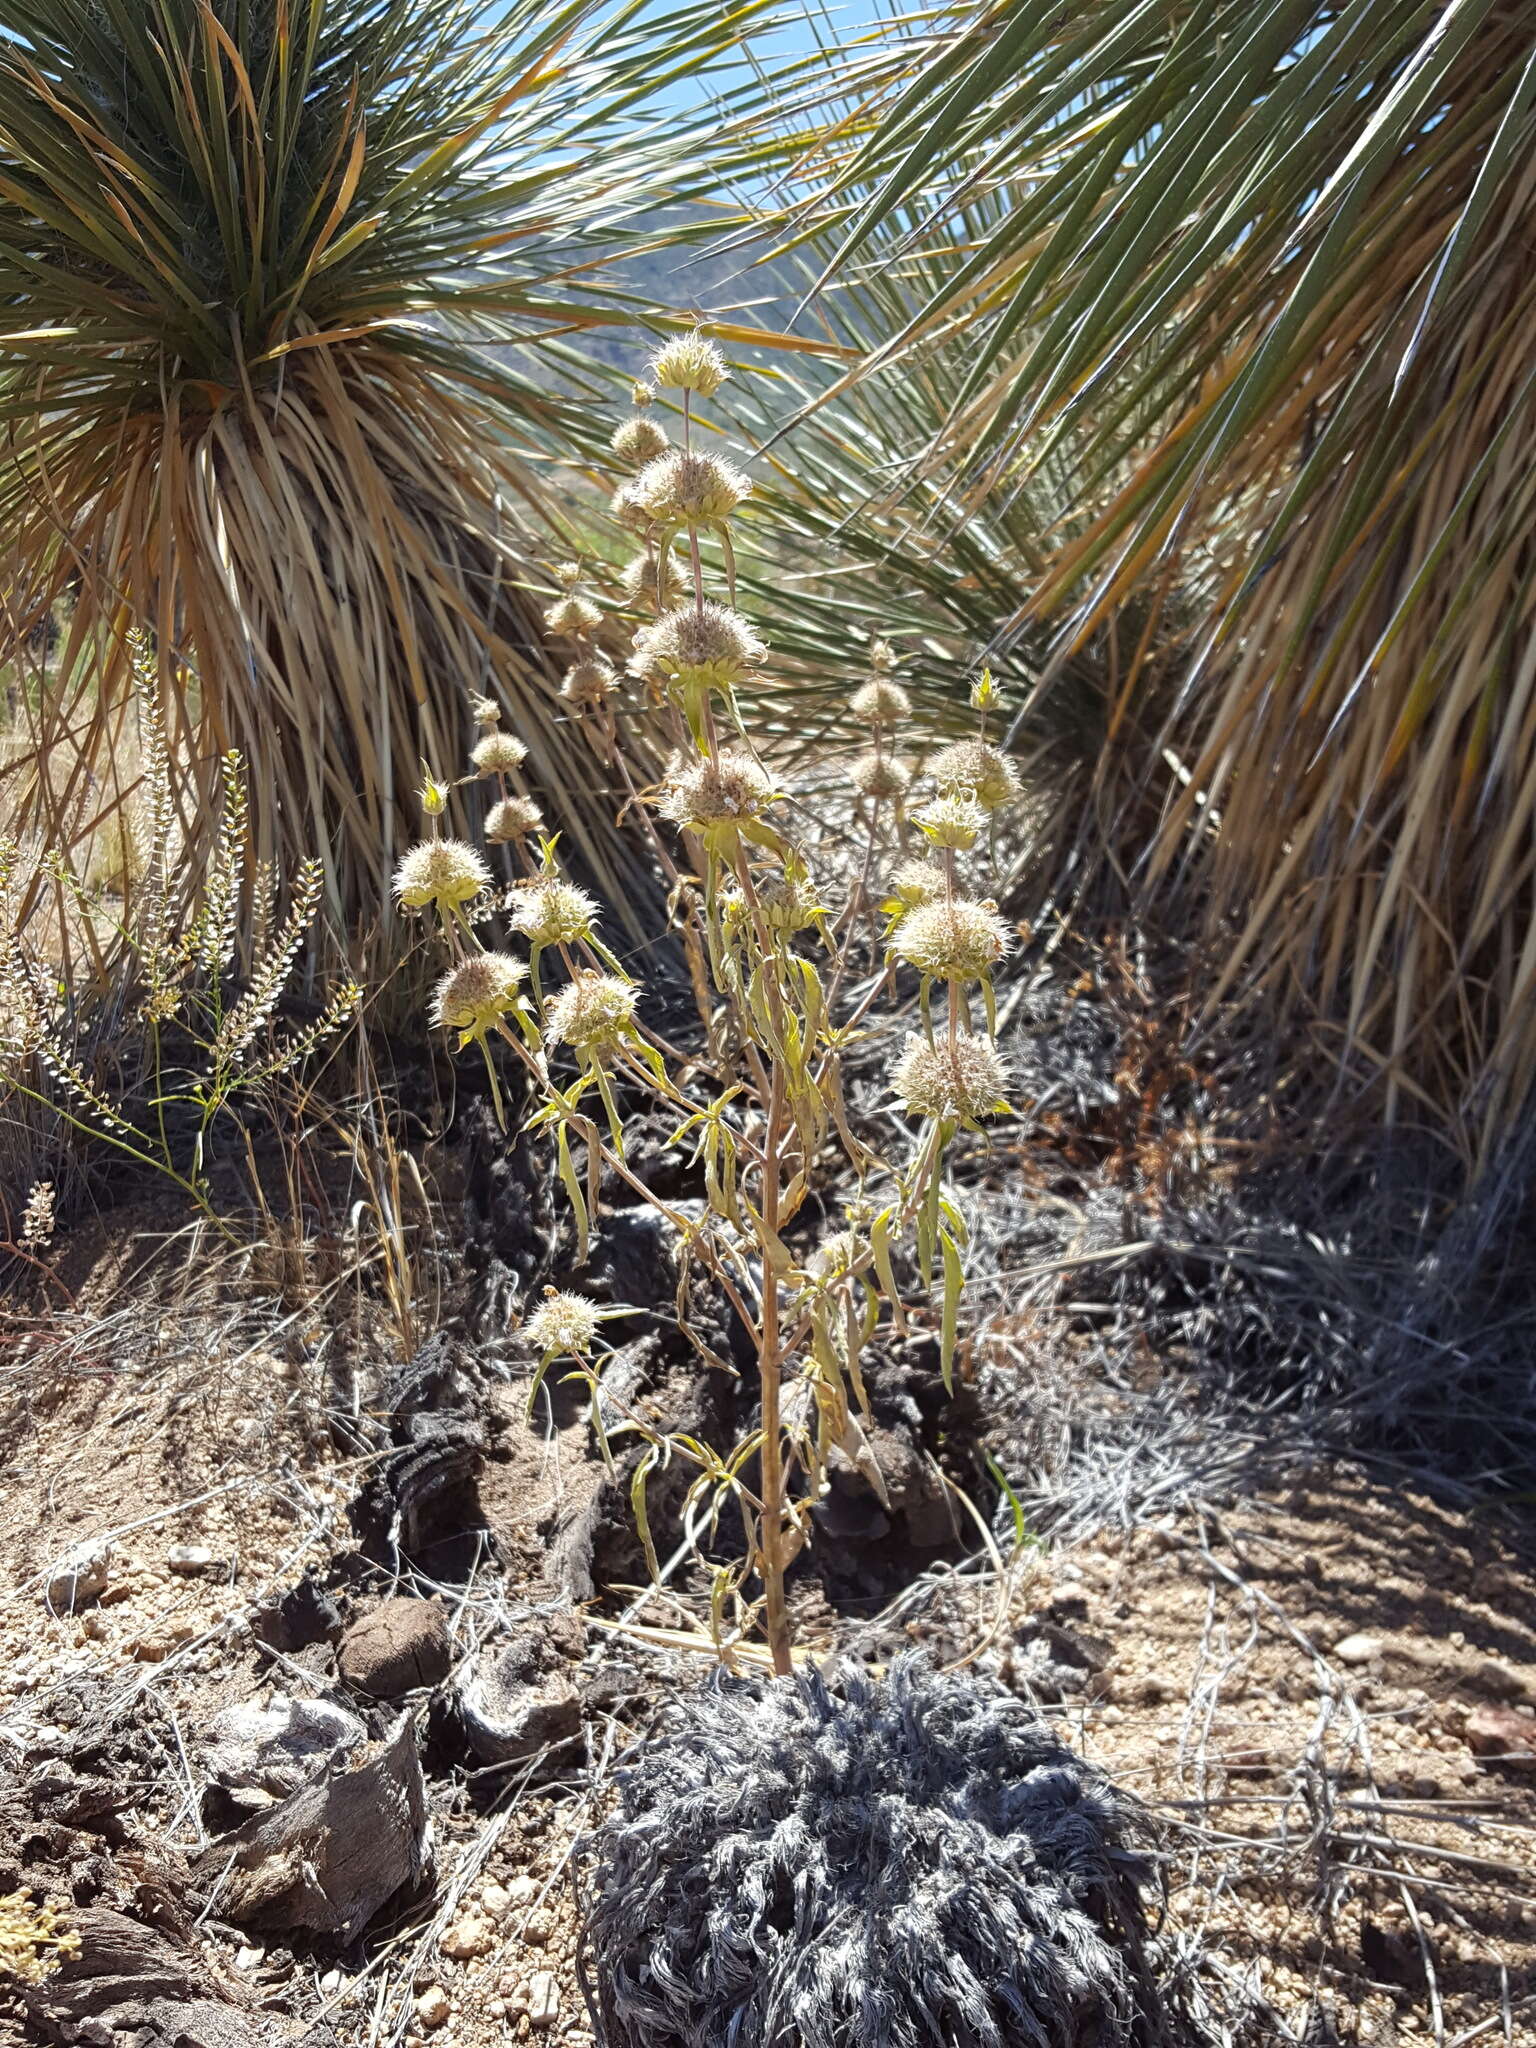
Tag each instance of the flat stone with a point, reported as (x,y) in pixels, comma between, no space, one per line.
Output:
(1358,1649)
(401,1645)
(79,1578)
(191,1558)
(1502,1735)
(543,1999)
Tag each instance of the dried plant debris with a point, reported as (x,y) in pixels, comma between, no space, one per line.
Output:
(903,1860)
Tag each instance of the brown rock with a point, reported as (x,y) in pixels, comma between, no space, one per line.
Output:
(1502,1735)
(400,1645)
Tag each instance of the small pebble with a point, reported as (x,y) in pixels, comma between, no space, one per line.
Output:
(467,1938)
(433,2008)
(1357,1649)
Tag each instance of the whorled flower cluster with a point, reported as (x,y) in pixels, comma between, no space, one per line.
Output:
(713,648)
(476,994)
(957,941)
(444,873)
(880,778)
(589,683)
(724,791)
(982,770)
(652,582)
(499,753)
(552,912)
(954,1083)
(592,1012)
(514,818)
(690,363)
(572,615)
(563,1323)
(639,440)
(690,490)
(880,702)
(953,821)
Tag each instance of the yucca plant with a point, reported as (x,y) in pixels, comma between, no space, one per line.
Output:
(1264,268)
(254,257)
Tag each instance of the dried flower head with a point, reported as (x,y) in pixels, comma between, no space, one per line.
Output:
(707,794)
(639,440)
(590,682)
(36,1232)
(882,655)
(485,710)
(985,771)
(568,574)
(642,394)
(879,777)
(515,817)
(690,490)
(959,941)
(592,1012)
(444,872)
(956,1083)
(880,702)
(552,912)
(917,881)
(499,753)
(954,820)
(573,616)
(690,363)
(652,581)
(563,1322)
(710,649)
(478,992)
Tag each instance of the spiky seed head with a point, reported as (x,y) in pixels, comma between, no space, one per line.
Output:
(592,1012)
(444,872)
(917,881)
(880,778)
(477,992)
(552,912)
(563,1322)
(499,753)
(708,794)
(515,817)
(690,490)
(787,902)
(690,363)
(485,710)
(710,649)
(985,771)
(959,941)
(590,682)
(642,394)
(639,440)
(572,616)
(956,1083)
(652,581)
(954,820)
(880,702)
(628,511)
(567,574)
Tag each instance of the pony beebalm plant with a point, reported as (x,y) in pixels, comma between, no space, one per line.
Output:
(207,1032)
(781,995)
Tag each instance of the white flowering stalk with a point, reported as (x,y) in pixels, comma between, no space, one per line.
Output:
(758,927)
(183,989)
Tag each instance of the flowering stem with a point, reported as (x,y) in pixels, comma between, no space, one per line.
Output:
(772,1538)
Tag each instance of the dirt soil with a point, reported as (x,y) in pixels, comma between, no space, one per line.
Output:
(1327,1694)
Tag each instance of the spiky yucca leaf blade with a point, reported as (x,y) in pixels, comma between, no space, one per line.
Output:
(252,253)
(1264,267)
